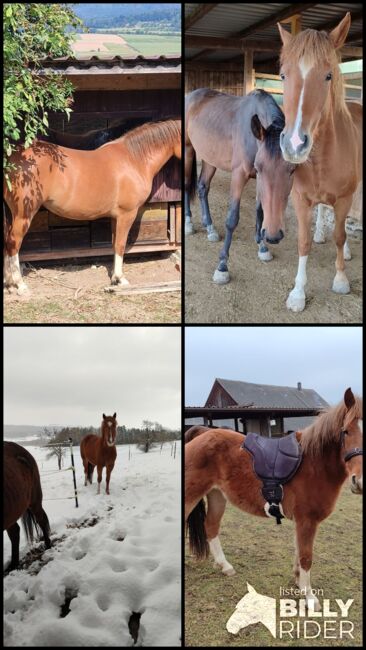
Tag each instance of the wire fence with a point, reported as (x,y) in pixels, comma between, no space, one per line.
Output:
(50,473)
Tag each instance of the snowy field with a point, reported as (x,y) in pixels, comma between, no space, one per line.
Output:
(112,557)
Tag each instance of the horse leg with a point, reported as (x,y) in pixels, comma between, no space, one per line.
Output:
(296,563)
(189,172)
(124,221)
(14,535)
(15,236)
(341,209)
(319,234)
(264,253)
(108,476)
(238,180)
(203,188)
(296,298)
(305,534)
(100,471)
(216,504)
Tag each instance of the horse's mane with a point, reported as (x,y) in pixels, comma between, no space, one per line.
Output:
(327,427)
(314,47)
(143,141)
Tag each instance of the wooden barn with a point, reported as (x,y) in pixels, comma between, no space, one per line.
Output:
(259,408)
(107,90)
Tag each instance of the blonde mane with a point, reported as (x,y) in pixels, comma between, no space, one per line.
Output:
(327,427)
(143,141)
(316,47)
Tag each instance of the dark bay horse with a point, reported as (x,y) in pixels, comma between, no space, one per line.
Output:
(22,499)
(92,139)
(216,466)
(100,451)
(114,180)
(323,137)
(240,135)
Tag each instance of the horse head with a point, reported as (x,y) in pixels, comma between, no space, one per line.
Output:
(351,439)
(274,180)
(109,429)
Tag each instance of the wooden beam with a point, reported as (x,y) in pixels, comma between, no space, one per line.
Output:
(288,12)
(357,36)
(200,12)
(248,74)
(214,43)
(349,52)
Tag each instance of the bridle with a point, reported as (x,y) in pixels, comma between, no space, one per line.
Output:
(356,451)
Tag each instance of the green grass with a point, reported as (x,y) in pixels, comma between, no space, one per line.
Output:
(121,50)
(262,554)
(152,44)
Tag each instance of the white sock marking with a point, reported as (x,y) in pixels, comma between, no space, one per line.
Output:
(219,557)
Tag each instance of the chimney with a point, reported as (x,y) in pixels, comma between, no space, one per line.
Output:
(299,387)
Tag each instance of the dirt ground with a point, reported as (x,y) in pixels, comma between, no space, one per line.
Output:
(75,294)
(258,290)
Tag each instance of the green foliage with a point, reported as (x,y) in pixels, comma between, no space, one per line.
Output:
(33,32)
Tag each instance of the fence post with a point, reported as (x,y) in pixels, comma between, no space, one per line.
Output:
(73,473)
(175,448)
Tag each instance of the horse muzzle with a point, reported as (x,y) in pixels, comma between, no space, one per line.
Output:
(111,444)
(356,484)
(272,239)
(295,148)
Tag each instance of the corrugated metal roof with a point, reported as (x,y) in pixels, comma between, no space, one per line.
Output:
(267,396)
(114,65)
(227,20)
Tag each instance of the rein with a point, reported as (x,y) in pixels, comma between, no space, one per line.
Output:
(356,451)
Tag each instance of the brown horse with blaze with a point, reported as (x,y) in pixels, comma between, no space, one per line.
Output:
(218,467)
(100,451)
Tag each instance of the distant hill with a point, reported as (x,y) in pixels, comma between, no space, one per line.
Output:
(99,15)
(22,431)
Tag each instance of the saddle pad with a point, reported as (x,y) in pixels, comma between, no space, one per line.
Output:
(274,458)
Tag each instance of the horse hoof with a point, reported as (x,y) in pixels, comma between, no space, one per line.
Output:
(22,289)
(188,229)
(221,277)
(266,256)
(121,282)
(319,239)
(341,286)
(295,302)
(213,235)
(229,572)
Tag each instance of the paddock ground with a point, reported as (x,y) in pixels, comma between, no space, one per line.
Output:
(262,554)
(258,290)
(75,293)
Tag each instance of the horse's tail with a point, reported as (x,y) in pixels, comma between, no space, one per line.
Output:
(196,530)
(193,179)
(90,471)
(30,526)
(193,432)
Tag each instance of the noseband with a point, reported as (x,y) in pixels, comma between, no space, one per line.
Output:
(356,451)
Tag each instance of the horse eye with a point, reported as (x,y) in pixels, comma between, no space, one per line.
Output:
(328,77)
(282,76)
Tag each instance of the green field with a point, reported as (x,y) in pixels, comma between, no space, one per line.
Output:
(262,554)
(152,44)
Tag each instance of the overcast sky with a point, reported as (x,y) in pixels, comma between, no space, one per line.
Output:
(72,375)
(327,359)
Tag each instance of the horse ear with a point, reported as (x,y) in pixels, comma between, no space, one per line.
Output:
(286,37)
(114,416)
(258,129)
(349,399)
(103,416)
(339,34)
(251,589)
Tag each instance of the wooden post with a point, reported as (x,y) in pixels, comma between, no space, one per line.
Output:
(295,23)
(248,75)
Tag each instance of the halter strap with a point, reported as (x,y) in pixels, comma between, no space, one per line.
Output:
(356,451)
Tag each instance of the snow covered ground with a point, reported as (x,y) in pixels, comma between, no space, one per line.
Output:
(113,556)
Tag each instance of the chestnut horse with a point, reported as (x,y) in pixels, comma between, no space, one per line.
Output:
(22,499)
(100,451)
(323,131)
(218,467)
(114,180)
(240,135)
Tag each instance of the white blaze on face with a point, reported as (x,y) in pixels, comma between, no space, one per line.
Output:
(295,138)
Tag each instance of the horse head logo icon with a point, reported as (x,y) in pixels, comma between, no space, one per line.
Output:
(253,608)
